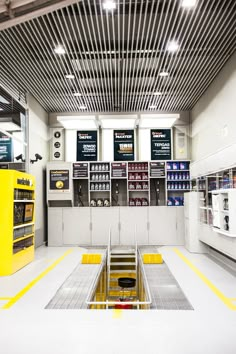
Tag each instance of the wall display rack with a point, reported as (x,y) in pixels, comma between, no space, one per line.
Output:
(17,194)
(130,183)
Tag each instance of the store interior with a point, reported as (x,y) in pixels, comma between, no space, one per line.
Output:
(118,177)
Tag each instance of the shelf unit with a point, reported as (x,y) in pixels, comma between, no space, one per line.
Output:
(224,211)
(17,194)
(99,184)
(138,184)
(177,182)
(130,183)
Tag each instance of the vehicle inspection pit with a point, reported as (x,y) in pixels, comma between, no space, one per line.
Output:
(121,281)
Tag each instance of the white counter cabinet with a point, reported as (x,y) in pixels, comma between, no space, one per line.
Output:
(90,226)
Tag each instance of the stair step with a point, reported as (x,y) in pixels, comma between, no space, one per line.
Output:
(122,263)
(122,271)
(122,256)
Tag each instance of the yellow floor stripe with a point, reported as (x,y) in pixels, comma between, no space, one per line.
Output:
(227,301)
(21,293)
(117,313)
(5,298)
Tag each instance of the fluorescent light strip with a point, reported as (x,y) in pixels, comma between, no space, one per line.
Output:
(109,5)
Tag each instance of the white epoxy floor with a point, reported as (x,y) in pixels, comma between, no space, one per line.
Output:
(27,328)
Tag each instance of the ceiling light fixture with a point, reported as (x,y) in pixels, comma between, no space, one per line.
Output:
(10,122)
(77,94)
(163,73)
(153,106)
(78,122)
(82,107)
(157,93)
(109,5)
(1,109)
(3,100)
(59,50)
(188,3)
(70,76)
(172,46)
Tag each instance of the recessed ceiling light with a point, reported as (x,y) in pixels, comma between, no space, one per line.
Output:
(188,3)
(77,94)
(172,46)
(153,107)
(163,73)
(157,93)
(70,76)
(59,50)
(1,109)
(109,5)
(82,107)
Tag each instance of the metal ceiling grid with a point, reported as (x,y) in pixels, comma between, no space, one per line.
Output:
(117,56)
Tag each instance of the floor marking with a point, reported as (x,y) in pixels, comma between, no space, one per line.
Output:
(5,298)
(117,313)
(21,293)
(227,301)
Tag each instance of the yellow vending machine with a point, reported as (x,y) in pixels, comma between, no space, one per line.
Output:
(17,210)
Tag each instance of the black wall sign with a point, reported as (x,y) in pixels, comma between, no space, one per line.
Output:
(5,148)
(80,170)
(87,145)
(119,169)
(59,179)
(157,169)
(161,144)
(123,145)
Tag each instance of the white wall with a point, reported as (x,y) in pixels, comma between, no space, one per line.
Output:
(38,143)
(213,128)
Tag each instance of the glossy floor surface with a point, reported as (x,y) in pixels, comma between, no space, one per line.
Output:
(26,327)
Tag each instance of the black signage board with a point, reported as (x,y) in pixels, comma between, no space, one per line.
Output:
(5,148)
(59,179)
(80,170)
(87,145)
(160,144)
(119,169)
(123,145)
(157,169)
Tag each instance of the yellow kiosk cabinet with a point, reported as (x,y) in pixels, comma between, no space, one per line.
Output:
(17,209)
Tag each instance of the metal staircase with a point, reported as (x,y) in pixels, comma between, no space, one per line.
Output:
(121,263)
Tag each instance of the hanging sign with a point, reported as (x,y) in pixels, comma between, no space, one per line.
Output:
(161,144)
(87,145)
(123,145)
(59,179)
(5,148)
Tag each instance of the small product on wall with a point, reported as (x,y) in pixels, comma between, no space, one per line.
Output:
(123,145)
(87,145)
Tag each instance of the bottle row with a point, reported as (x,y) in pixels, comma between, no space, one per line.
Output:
(178,185)
(100,176)
(138,202)
(177,175)
(138,185)
(100,167)
(138,176)
(137,166)
(100,202)
(177,201)
(20,194)
(175,165)
(100,186)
